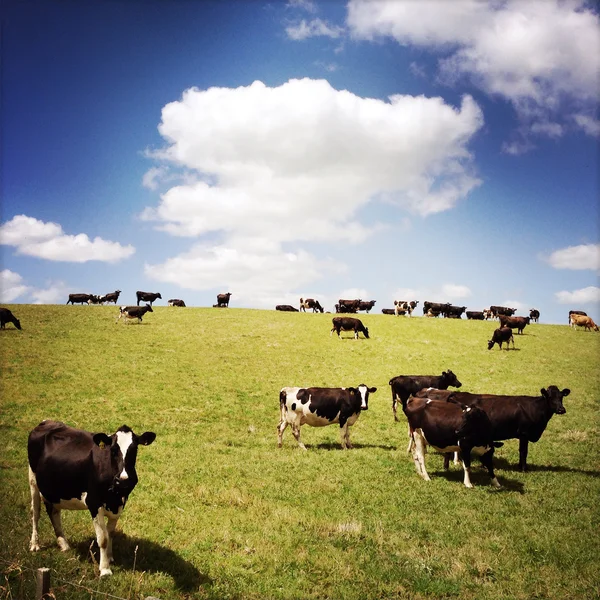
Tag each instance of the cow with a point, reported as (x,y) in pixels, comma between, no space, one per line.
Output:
(432,313)
(388,311)
(318,407)
(110,297)
(435,307)
(134,312)
(147,297)
(502,310)
(518,323)
(403,308)
(534,314)
(487,313)
(454,312)
(94,299)
(310,303)
(405,385)
(79,298)
(72,469)
(345,309)
(500,335)
(475,315)
(366,306)
(512,417)
(583,321)
(348,305)
(349,324)
(576,312)
(176,302)
(223,300)
(463,429)
(6,316)
(286,308)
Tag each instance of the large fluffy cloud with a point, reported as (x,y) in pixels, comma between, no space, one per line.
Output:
(11,286)
(297,162)
(585,256)
(33,237)
(588,295)
(541,54)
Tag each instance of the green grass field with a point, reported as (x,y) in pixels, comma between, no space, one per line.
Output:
(221,512)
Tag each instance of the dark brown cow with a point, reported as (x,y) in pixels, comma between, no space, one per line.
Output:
(223,300)
(6,316)
(348,305)
(366,306)
(518,323)
(501,335)
(475,315)
(286,308)
(512,417)
(502,310)
(147,297)
(349,324)
(458,429)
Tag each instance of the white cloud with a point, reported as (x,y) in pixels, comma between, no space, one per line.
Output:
(452,290)
(306,5)
(588,295)
(314,28)
(585,256)
(520,306)
(33,237)
(406,294)
(540,55)
(56,293)
(11,286)
(588,124)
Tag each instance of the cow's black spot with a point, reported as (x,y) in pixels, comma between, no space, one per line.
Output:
(294,406)
(303,396)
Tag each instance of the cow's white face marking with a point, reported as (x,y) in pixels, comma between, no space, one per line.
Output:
(363,390)
(124,440)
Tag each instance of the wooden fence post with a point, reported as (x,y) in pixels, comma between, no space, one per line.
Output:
(42,583)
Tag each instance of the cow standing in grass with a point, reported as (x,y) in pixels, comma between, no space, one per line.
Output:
(349,324)
(6,316)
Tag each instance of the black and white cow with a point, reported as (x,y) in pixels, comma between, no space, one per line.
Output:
(6,316)
(534,315)
(349,324)
(134,312)
(110,297)
(462,429)
(366,305)
(176,302)
(318,407)
(147,297)
(71,469)
(79,298)
(310,303)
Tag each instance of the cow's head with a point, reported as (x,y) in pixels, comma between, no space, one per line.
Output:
(149,307)
(554,397)
(17,323)
(123,446)
(366,332)
(451,379)
(363,391)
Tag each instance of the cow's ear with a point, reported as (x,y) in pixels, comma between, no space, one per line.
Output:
(146,438)
(102,440)
(566,392)
(372,390)
(544,392)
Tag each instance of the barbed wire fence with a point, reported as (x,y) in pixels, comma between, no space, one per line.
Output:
(43,583)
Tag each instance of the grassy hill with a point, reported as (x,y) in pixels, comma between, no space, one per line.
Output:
(220,512)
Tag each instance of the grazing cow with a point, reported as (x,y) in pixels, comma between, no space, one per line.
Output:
(512,417)
(349,324)
(147,297)
(475,315)
(350,306)
(534,314)
(176,302)
(111,297)
(318,407)
(6,316)
(310,303)
(518,323)
(71,469)
(134,312)
(388,311)
(223,300)
(463,429)
(454,312)
(366,306)
(286,308)
(405,385)
(94,299)
(583,321)
(500,335)
(436,307)
(79,298)
(576,312)
(502,310)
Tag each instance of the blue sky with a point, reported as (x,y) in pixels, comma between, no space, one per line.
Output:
(443,151)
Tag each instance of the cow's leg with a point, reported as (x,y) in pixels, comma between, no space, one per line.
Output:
(411,441)
(395,407)
(345,435)
(466,461)
(111,525)
(281,428)
(55,519)
(296,433)
(523,448)
(36,503)
(419,455)
(487,462)
(102,539)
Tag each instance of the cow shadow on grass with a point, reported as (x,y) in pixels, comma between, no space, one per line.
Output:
(355,446)
(131,553)
(480,478)
(504,465)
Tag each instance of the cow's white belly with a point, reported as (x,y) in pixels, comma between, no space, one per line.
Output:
(312,419)
(476,450)
(72,503)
